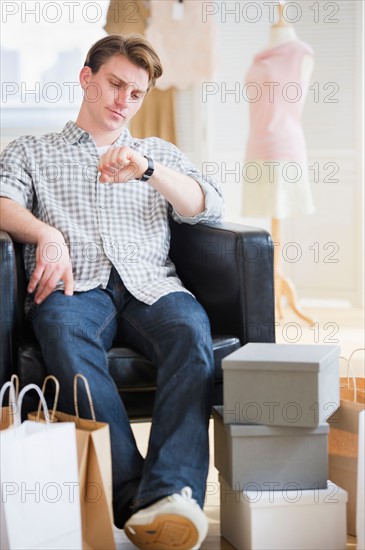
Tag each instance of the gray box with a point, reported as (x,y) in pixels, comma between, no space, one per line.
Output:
(270,458)
(281,384)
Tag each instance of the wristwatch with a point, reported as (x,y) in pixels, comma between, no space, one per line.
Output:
(148,173)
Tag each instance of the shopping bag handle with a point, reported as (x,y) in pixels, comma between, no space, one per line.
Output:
(55,402)
(12,393)
(17,415)
(15,380)
(350,370)
(91,404)
(355,351)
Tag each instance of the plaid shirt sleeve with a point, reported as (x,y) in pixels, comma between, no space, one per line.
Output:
(214,205)
(16,181)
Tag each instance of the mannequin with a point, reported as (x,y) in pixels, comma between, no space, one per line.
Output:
(276,145)
(282,32)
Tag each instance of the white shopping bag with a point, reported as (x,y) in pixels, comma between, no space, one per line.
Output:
(40,506)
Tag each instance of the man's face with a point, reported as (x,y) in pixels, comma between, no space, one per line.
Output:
(114,94)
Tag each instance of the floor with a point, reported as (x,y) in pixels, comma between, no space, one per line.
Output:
(340,326)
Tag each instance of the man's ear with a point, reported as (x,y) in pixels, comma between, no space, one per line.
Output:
(85,75)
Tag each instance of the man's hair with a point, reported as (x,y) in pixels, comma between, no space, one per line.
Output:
(132,46)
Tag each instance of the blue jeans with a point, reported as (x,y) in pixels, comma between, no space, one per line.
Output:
(75,333)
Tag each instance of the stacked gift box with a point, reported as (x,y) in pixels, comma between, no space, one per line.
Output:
(270,441)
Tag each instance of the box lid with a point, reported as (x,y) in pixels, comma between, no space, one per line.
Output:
(261,430)
(281,357)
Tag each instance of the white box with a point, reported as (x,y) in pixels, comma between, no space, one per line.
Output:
(284,520)
(281,384)
(272,457)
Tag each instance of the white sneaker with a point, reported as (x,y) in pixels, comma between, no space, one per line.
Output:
(173,523)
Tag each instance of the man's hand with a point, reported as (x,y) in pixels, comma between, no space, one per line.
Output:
(52,265)
(121,164)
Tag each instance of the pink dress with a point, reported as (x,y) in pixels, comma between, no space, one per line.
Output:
(276,182)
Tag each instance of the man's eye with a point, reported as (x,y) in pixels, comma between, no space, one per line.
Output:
(115,84)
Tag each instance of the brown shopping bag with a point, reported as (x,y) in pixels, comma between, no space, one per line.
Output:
(7,412)
(344,440)
(95,471)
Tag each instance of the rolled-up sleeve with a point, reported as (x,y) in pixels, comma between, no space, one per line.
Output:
(15,178)
(214,204)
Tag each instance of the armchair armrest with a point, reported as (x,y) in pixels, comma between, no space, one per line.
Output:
(8,304)
(229,268)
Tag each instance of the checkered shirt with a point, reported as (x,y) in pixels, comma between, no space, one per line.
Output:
(122,224)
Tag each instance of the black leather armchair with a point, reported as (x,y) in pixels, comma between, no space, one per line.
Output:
(228,267)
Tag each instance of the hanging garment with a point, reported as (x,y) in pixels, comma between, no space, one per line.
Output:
(157,114)
(276,181)
(186,44)
(127,16)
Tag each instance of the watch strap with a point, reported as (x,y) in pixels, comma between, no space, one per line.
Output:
(150,169)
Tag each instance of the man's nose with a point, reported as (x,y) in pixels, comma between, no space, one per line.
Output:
(122,97)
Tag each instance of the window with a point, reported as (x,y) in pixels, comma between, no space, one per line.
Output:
(43,48)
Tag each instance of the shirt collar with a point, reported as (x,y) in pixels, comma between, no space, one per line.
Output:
(72,133)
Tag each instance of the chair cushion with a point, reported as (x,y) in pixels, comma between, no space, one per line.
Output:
(131,371)
(134,376)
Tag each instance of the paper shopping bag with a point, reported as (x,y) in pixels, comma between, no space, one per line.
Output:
(343,446)
(95,473)
(39,503)
(7,412)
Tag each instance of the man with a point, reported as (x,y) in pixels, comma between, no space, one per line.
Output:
(92,205)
